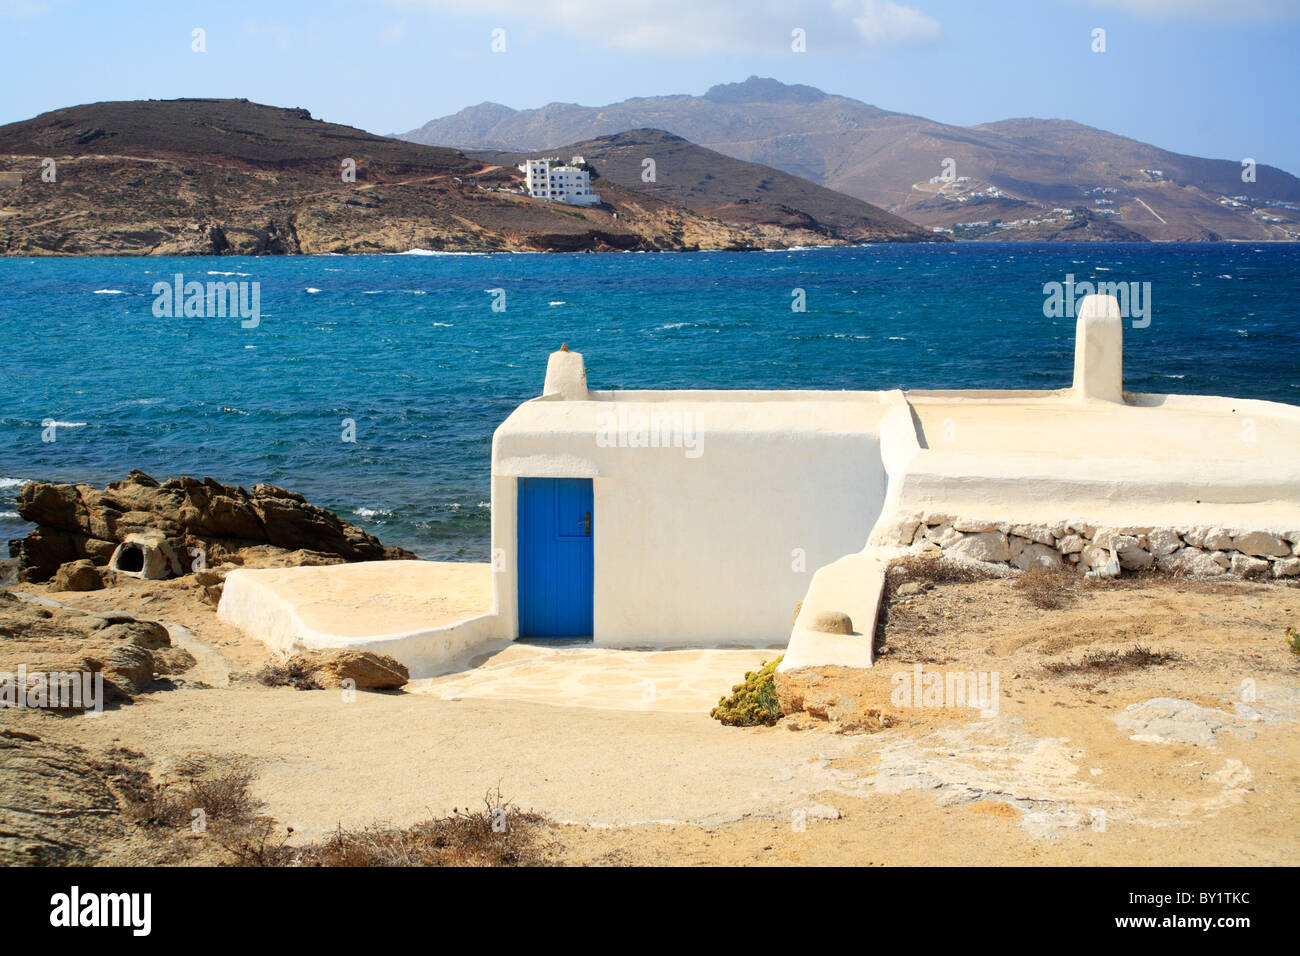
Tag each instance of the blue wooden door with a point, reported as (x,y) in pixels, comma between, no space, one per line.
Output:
(555,557)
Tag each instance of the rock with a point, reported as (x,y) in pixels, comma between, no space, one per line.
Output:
(1038,555)
(905,529)
(1093,556)
(1286,568)
(180,515)
(1261,543)
(1192,562)
(1114,540)
(79,575)
(147,634)
(1222,559)
(1195,537)
(1039,534)
(1071,544)
(1109,569)
(934,518)
(1136,559)
(833,622)
(128,668)
(908,588)
(972,525)
(988,546)
(1247,567)
(369,670)
(1162,541)
(1217,539)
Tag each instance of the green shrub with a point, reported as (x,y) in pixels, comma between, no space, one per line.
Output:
(752,703)
(1293,640)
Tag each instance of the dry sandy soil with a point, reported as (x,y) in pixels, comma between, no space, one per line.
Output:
(1075,766)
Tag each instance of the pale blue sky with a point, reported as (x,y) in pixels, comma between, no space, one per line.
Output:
(1206,77)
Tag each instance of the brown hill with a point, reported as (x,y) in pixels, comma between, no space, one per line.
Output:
(738,193)
(888,159)
(176,177)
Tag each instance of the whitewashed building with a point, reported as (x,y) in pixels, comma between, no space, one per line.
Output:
(547,179)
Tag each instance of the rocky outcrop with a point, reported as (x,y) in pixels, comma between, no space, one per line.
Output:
(200,522)
(129,652)
(1104,552)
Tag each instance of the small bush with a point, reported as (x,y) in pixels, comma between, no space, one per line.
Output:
(1293,640)
(171,804)
(1112,662)
(291,673)
(500,834)
(932,571)
(752,703)
(1047,588)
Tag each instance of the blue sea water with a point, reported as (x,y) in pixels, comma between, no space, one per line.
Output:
(409,347)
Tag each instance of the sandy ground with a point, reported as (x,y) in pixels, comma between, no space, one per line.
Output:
(1056,776)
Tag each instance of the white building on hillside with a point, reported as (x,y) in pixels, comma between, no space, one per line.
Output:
(554,182)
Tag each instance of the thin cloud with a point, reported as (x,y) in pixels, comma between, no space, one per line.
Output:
(1206,9)
(696,28)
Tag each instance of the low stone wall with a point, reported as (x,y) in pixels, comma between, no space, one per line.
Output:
(1194,551)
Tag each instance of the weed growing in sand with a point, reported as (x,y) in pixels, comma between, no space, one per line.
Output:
(752,703)
(500,834)
(170,804)
(1112,662)
(932,571)
(1293,639)
(1047,588)
(291,673)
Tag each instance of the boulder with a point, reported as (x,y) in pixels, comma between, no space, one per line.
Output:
(987,546)
(1259,543)
(1192,562)
(1071,544)
(1286,568)
(1245,566)
(1217,539)
(79,575)
(368,671)
(128,668)
(1162,541)
(1039,534)
(1038,555)
(1114,540)
(1136,559)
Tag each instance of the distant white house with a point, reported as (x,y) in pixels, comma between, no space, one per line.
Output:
(547,179)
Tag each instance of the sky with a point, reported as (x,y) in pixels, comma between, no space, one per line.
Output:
(1205,77)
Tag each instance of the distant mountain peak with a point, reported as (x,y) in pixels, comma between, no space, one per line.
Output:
(763,89)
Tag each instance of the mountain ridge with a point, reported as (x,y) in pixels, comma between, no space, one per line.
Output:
(1014,173)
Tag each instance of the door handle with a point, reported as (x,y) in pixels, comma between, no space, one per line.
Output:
(586,524)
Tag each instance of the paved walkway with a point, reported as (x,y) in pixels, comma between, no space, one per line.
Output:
(673,681)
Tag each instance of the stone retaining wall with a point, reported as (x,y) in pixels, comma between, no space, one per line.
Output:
(1197,551)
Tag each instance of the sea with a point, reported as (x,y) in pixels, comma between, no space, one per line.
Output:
(372,384)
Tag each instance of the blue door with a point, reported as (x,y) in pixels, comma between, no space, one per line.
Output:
(555,557)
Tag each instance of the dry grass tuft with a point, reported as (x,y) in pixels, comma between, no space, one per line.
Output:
(1112,662)
(291,673)
(1048,588)
(500,834)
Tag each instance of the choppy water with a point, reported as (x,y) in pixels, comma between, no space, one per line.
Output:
(410,348)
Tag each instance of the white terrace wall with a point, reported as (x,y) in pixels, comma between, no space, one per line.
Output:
(716,548)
